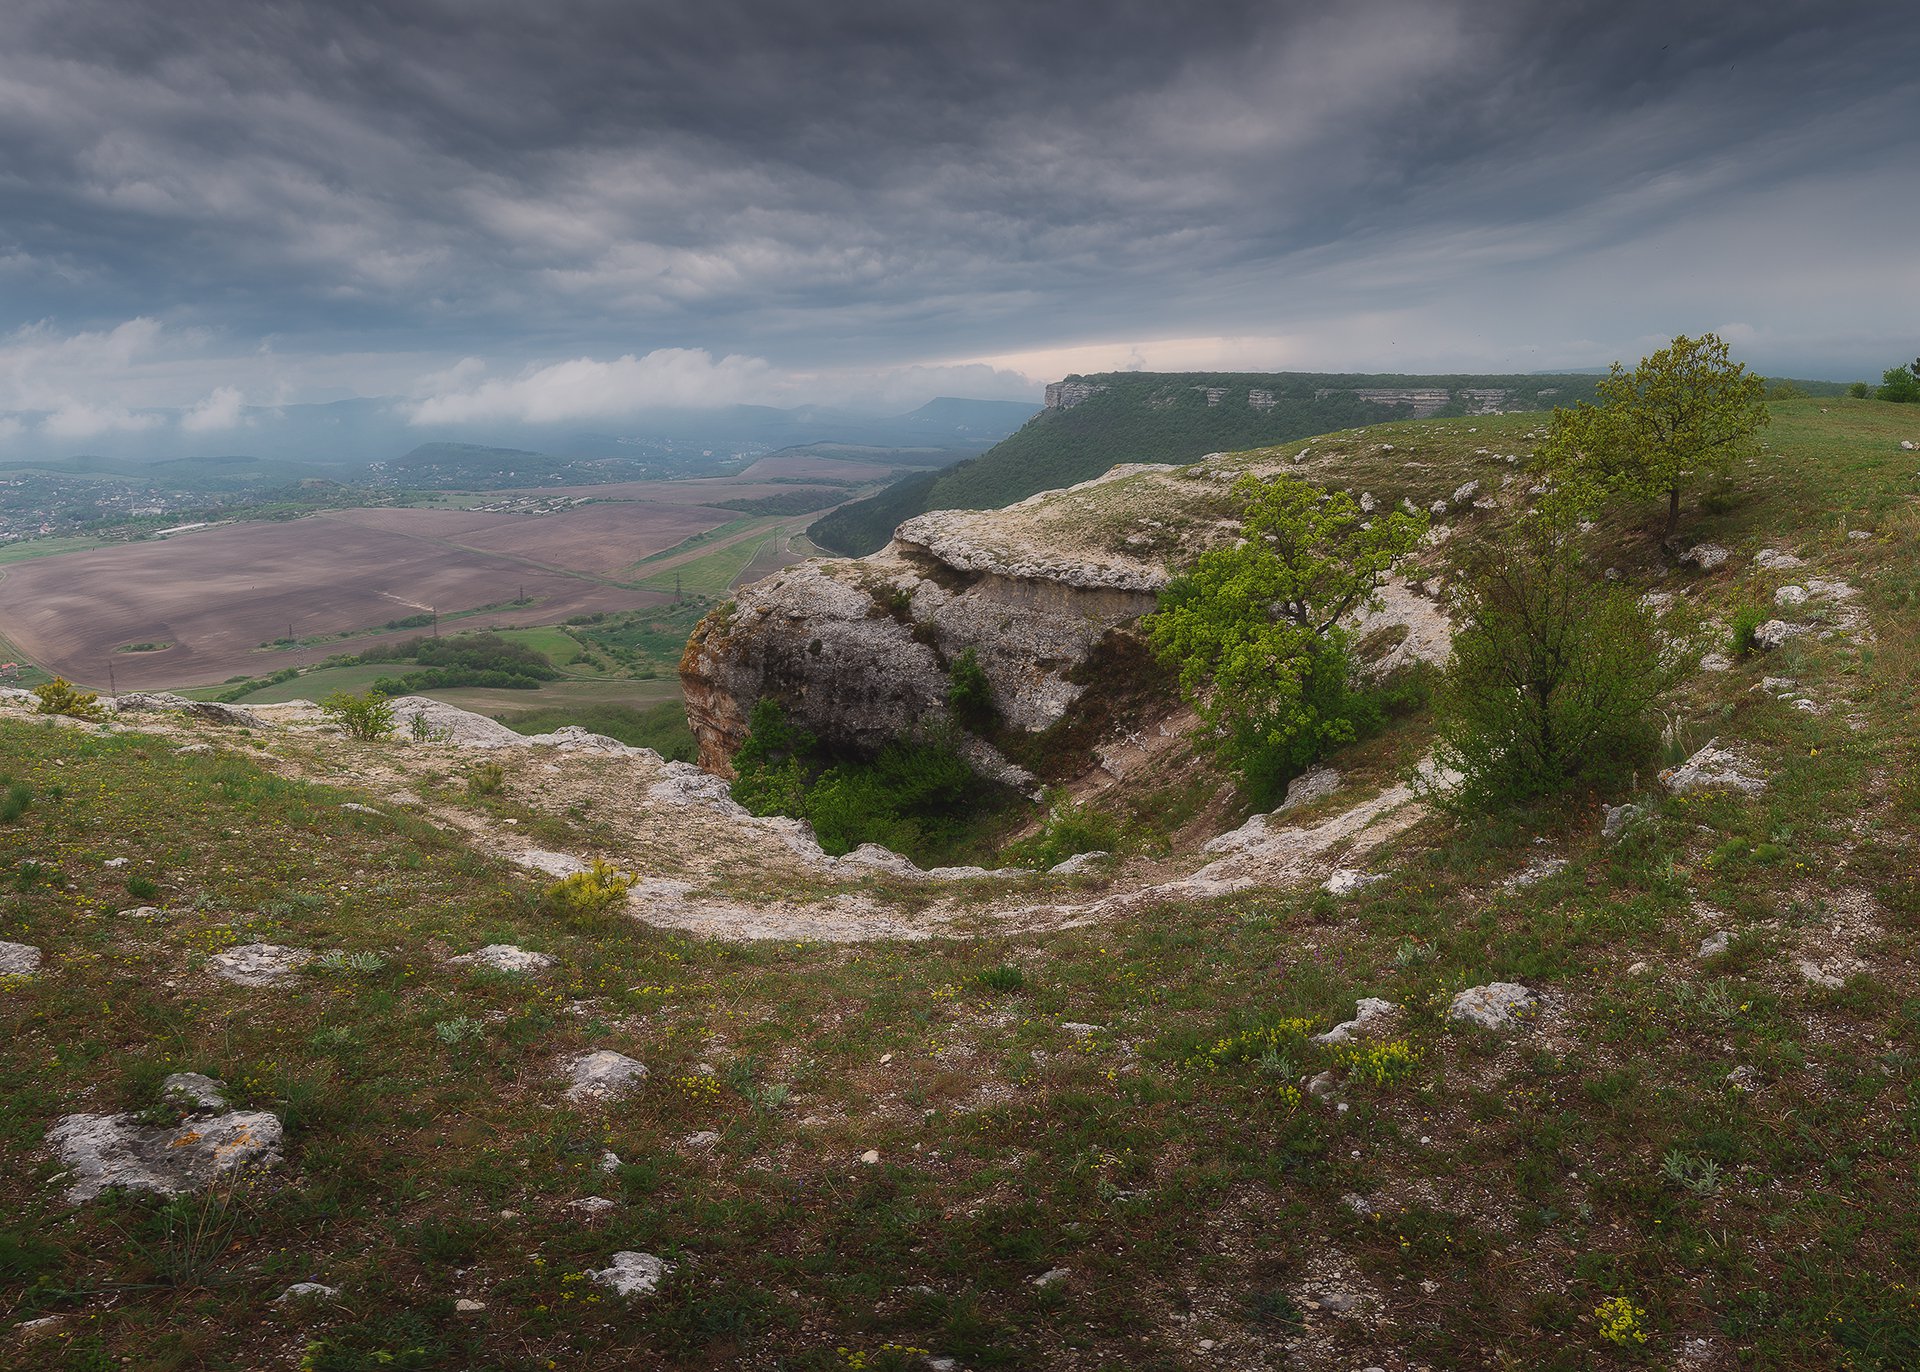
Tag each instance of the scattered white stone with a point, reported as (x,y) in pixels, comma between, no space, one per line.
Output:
(1790,596)
(143,912)
(1715,662)
(1713,945)
(46,1324)
(1050,1276)
(1367,502)
(870,1157)
(1775,633)
(464,1306)
(103,1151)
(1619,818)
(1831,588)
(1858,535)
(308,1290)
(1309,787)
(1706,556)
(1820,976)
(192,748)
(1465,493)
(1347,880)
(1534,873)
(1359,1204)
(1339,1302)
(1079,863)
(360,809)
(191,1091)
(591,1205)
(1744,1078)
(1078,1030)
(1773,559)
(602,1075)
(257,964)
(1713,768)
(503,957)
(705,1138)
(18,959)
(1368,1016)
(1497,1005)
(1907,445)
(115,862)
(1323,1085)
(609,1160)
(1777,684)
(632,1274)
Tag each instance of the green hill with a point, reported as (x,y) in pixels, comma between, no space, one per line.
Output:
(1095,422)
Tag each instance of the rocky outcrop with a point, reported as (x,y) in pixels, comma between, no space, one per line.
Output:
(860,652)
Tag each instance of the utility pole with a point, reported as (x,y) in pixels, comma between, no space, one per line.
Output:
(436,620)
(112,688)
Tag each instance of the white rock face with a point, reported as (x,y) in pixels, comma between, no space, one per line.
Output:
(213,711)
(308,1290)
(1345,881)
(1707,556)
(449,723)
(1775,633)
(1079,863)
(1370,1016)
(103,1151)
(602,1075)
(1790,595)
(1773,559)
(257,964)
(632,1274)
(1497,1005)
(504,957)
(1713,768)
(18,960)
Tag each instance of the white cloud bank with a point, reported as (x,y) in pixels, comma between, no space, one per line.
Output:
(587,389)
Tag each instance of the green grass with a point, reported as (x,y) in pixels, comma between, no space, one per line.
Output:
(661,727)
(1162,1153)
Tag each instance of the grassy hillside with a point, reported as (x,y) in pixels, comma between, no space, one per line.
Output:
(1179,417)
(1088,1144)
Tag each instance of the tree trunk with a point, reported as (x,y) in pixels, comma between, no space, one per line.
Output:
(1673,511)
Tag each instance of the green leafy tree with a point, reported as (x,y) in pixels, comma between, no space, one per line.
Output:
(1686,413)
(970,694)
(1254,628)
(1554,678)
(367,716)
(1900,384)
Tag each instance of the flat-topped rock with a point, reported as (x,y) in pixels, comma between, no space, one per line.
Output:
(632,1274)
(504,957)
(257,964)
(1497,1005)
(602,1075)
(19,959)
(1713,768)
(106,1151)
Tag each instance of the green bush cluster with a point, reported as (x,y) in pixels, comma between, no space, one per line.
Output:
(970,694)
(1554,678)
(590,896)
(913,796)
(62,697)
(367,717)
(479,659)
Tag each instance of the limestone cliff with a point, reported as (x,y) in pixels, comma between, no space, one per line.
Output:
(859,650)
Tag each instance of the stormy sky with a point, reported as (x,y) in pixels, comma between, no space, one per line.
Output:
(573,209)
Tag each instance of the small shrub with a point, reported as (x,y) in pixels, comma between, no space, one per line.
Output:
(61,697)
(1554,678)
(1701,1176)
(1857,391)
(970,694)
(368,716)
(1378,1064)
(341,961)
(586,897)
(14,802)
(459,1030)
(1070,828)
(486,779)
(1003,980)
(1746,620)
(142,888)
(420,731)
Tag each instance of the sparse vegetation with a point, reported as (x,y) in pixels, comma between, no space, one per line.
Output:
(62,697)
(366,716)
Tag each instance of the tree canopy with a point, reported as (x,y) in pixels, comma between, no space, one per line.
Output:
(1254,628)
(1687,412)
(1900,384)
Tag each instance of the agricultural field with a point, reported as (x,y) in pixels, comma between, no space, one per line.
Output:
(251,598)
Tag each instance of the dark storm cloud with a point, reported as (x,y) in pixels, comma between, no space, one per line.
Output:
(859,183)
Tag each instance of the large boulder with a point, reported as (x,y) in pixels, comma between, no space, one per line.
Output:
(211,1142)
